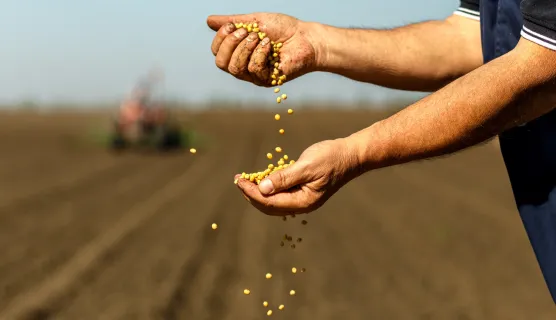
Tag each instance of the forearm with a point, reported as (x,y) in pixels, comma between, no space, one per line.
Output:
(511,90)
(421,57)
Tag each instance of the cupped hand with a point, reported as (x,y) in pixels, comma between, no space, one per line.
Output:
(244,55)
(322,169)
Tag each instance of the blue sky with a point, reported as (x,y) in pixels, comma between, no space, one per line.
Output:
(95,50)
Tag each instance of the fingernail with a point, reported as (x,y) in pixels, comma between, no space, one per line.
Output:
(266,40)
(240,32)
(230,27)
(266,186)
(253,37)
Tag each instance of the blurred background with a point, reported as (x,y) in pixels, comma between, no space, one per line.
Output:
(91,229)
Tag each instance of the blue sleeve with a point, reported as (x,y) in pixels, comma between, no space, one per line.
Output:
(469,9)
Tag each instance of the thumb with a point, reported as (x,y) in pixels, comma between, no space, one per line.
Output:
(283,179)
(215,22)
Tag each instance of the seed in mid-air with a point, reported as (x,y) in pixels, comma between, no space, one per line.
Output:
(193,150)
(303,269)
(246,291)
(214,226)
(269,313)
(290,111)
(278,100)
(276,90)
(303,222)
(268,275)
(265,304)
(292,292)
(281,307)
(281,131)
(284,97)
(294,270)
(293,245)
(278,149)
(269,155)
(277,117)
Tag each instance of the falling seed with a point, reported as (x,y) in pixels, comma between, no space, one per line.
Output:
(290,111)
(269,313)
(265,304)
(277,117)
(292,292)
(268,275)
(281,307)
(247,291)
(214,226)
(193,150)
(294,270)
(281,131)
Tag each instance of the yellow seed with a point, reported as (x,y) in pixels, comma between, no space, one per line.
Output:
(269,313)
(255,25)
(278,100)
(283,77)
(256,30)
(249,29)
(279,45)
(235,181)
(272,42)
(292,292)
(285,157)
(261,35)
(284,97)
(246,291)
(276,65)
(277,116)
(275,54)
(292,161)
(279,82)
(268,276)
(290,111)
(264,35)
(276,90)
(265,304)
(247,176)
(243,174)
(274,82)
(278,149)
(269,155)
(271,166)
(193,150)
(281,307)
(281,131)
(276,71)
(240,25)
(214,226)
(252,178)
(280,162)
(294,270)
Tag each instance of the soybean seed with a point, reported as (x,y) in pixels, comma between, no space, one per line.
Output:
(285,157)
(293,245)
(269,155)
(294,270)
(277,116)
(281,131)
(303,222)
(214,226)
(278,149)
(281,307)
(265,304)
(284,97)
(193,150)
(290,111)
(292,292)
(276,90)
(268,275)
(269,313)
(278,100)
(247,291)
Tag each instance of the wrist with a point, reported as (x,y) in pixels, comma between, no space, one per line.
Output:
(369,148)
(314,34)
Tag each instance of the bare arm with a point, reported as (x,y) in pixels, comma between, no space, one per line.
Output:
(422,57)
(511,90)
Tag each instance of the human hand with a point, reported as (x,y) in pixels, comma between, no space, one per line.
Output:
(322,169)
(245,56)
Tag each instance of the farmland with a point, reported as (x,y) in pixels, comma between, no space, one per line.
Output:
(86,234)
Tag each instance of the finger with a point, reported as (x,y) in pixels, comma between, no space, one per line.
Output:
(258,65)
(228,47)
(240,57)
(222,33)
(216,22)
(293,201)
(284,179)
